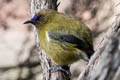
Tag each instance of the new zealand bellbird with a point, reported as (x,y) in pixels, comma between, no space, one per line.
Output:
(63,38)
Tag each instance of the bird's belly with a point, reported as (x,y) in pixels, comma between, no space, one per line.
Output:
(61,54)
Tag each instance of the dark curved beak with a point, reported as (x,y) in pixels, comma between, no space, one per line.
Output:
(33,20)
(29,21)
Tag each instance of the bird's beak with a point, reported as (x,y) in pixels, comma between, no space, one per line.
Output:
(28,21)
(32,21)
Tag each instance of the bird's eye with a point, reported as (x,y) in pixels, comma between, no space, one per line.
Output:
(40,16)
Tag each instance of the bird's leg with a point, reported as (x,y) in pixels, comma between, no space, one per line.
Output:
(60,68)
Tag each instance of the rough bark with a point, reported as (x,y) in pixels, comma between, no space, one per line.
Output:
(105,63)
(46,64)
(108,65)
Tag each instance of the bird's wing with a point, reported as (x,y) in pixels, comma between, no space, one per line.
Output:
(80,43)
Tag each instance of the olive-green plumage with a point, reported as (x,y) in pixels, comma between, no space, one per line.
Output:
(64,39)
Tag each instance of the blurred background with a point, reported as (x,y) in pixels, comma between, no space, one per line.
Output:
(18,59)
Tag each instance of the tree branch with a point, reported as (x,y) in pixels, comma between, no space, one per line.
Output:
(109,50)
(46,64)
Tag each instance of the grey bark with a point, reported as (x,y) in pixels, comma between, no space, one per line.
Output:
(105,63)
(46,64)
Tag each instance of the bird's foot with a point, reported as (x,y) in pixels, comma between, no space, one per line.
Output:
(60,68)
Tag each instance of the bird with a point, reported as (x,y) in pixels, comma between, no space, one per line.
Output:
(63,38)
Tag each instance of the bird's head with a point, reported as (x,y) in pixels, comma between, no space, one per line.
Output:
(41,17)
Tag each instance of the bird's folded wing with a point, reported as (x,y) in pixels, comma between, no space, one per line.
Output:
(81,43)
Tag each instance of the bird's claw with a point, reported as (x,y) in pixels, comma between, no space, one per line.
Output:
(58,68)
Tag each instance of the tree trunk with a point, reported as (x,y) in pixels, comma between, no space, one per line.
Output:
(46,64)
